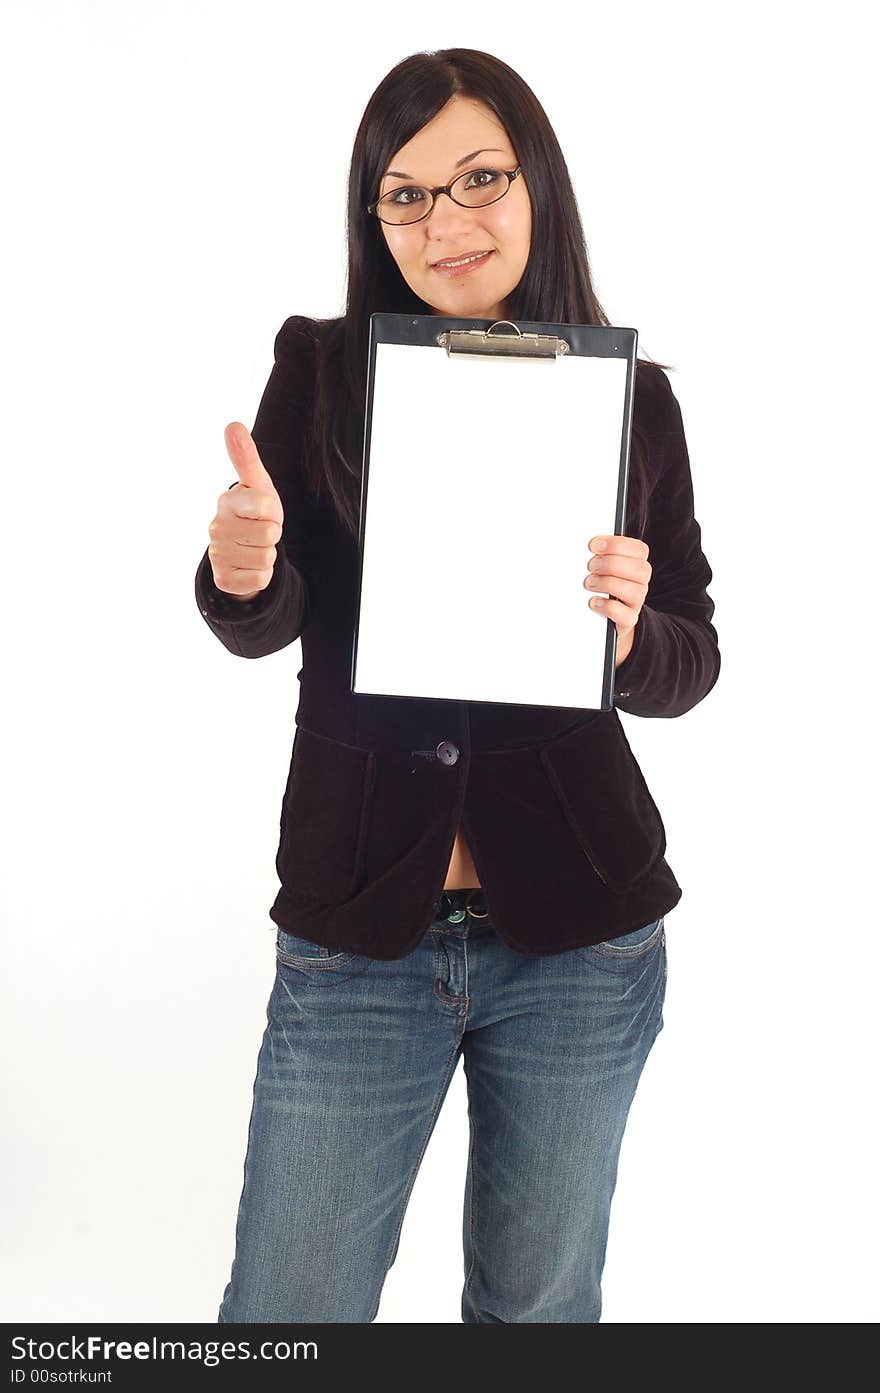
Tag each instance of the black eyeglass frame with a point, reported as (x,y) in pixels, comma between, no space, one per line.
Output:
(447,189)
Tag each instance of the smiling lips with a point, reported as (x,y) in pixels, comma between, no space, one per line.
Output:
(461,265)
(453,260)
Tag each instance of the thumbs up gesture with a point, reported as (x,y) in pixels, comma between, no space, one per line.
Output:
(248,523)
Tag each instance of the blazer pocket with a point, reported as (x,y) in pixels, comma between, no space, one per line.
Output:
(604,796)
(324,818)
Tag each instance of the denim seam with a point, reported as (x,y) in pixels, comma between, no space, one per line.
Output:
(435,1109)
(305,964)
(606,948)
(470,1276)
(439,992)
(240,1216)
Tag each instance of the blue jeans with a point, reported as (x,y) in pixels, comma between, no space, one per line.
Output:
(355,1062)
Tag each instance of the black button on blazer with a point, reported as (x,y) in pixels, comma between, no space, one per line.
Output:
(566,838)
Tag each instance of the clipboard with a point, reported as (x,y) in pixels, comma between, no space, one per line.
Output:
(493,452)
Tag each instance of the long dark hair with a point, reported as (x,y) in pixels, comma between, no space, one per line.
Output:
(556,285)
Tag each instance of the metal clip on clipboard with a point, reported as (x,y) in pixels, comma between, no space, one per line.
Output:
(506,344)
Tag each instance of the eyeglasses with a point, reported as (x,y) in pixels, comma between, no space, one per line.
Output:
(412,203)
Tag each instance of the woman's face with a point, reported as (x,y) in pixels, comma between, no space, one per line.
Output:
(504,228)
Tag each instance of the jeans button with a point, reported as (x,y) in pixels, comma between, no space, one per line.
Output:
(447,753)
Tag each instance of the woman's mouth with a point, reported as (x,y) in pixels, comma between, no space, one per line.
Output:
(462,266)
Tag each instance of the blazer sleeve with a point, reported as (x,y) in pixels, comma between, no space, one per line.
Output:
(674,661)
(278,615)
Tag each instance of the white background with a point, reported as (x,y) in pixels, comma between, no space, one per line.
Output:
(156,235)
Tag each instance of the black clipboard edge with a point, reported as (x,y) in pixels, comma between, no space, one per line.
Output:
(585,340)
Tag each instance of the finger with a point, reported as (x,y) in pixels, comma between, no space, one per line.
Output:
(606,544)
(246,457)
(615,610)
(629,567)
(248,567)
(247,532)
(631,592)
(255,496)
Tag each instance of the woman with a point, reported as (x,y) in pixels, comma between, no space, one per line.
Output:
(456,878)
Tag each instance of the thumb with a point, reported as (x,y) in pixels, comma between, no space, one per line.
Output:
(245,456)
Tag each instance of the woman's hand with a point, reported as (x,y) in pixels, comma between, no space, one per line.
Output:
(246,529)
(620,568)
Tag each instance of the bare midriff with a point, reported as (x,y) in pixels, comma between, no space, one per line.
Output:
(461,873)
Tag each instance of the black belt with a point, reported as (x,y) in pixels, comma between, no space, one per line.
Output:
(455,904)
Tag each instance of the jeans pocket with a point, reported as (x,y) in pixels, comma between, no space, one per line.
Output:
(633,944)
(304,955)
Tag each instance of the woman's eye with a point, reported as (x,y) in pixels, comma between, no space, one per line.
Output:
(398,196)
(491,174)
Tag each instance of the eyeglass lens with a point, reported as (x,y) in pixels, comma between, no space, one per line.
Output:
(473,189)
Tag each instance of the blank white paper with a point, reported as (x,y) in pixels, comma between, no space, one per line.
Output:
(487,478)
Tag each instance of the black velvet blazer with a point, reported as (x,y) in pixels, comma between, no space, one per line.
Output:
(566,838)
